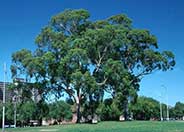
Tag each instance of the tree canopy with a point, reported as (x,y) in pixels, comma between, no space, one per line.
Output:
(86,59)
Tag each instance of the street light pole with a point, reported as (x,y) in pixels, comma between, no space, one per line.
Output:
(15,110)
(15,107)
(160,102)
(4,98)
(161,117)
(167,100)
(167,110)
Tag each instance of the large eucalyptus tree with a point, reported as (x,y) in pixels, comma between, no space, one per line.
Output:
(86,59)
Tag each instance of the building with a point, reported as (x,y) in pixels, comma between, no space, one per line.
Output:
(9,93)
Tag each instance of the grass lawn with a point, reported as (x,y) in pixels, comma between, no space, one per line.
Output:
(133,126)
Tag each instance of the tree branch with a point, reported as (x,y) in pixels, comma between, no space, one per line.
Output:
(100,59)
(65,28)
(102,83)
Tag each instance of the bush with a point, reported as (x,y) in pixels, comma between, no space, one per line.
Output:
(60,111)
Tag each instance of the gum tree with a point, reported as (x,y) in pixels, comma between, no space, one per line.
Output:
(86,59)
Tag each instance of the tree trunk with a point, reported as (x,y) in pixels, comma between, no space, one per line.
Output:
(126,110)
(40,122)
(78,109)
(91,106)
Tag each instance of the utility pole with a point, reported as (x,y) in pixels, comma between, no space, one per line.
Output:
(161,117)
(4,99)
(15,110)
(15,106)
(167,100)
(167,109)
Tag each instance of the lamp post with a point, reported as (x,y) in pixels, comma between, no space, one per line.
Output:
(15,107)
(167,100)
(4,98)
(161,116)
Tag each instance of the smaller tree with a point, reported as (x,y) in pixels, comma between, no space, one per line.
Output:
(179,110)
(26,112)
(9,111)
(108,110)
(42,110)
(145,108)
(60,111)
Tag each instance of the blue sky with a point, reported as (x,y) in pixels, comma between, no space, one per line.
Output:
(22,20)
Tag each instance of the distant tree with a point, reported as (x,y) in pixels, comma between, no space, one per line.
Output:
(60,111)
(145,109)
(179,110)
(172,113)
(108,110)
(26,112)
(41,110)
(9,111)
(86,58)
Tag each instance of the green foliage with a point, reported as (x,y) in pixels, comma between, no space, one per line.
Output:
(41,110)
(60,111)
(145,109)
(9,111)
(178,110)
(121,19)
(85,59)
(26,111)
(108,110)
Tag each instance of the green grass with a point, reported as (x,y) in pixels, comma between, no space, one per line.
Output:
(134,126)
